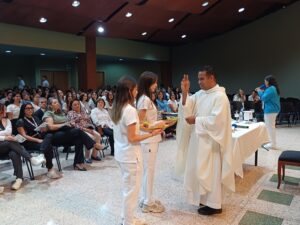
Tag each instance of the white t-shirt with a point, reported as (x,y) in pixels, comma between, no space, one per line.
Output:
(125,151)
(145,102)
(173,103)
(14,109)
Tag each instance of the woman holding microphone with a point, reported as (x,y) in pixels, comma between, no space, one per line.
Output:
(269,95)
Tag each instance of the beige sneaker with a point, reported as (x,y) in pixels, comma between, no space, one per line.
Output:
(1,189)
(53,174)
(156,207)
(138,221)
(17,184)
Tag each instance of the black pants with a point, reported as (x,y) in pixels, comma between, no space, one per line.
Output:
(73,136)
(44,147)
(110,133)
(14,151)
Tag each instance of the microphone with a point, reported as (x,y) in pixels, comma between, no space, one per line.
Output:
(263,87)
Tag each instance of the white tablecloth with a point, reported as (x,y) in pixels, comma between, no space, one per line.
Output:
(246,142)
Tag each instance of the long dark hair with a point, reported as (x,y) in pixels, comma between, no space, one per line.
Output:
(147,79)
(272,82)
(123,97)
(22,110)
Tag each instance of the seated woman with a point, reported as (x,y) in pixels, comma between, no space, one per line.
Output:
(103,122)
(11,148)
(81,120)
(162,105)
(173,104)
(66,135)
(38,141)
(13,110)
(240,96)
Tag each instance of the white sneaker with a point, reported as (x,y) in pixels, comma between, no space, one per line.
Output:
(1,189)
(269,146)
(36,161)
(17,184)
(53,174)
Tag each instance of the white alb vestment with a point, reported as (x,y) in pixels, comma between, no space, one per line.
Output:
(208,162)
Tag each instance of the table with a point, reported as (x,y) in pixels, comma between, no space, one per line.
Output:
(247,141)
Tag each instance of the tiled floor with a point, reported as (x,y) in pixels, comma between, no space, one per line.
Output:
(94,197)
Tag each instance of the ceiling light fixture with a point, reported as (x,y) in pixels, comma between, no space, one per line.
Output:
(121,59)
(205,4)
(183,36)
(144,34)
(43,20)
(75,3)
(8,51)
(100,29)
(171,20)
(42,54)
(128,14)
(241,10)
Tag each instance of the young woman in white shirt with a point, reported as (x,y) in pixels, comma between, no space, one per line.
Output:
(173,104)
(127,147)
(148,113)
(13,111)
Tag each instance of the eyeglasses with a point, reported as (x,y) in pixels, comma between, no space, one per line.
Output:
(29,108)
(43,102)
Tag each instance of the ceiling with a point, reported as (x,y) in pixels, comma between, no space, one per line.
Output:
(192,19)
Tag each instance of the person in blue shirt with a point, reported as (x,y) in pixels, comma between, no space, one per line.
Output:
(270,96)
(162,105)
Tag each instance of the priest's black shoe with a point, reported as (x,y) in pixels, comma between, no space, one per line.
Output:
(208,211)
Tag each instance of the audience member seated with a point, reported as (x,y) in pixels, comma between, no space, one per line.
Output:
(253,97)
(109,102)
(103,122)
(11,148)
(7,99)
(36,102)
(36,141)
(13,111)
(43,107)
(81,120)
(173,104)
(84,103)
(162,105)
(240,97)
(66,135)
(93,100)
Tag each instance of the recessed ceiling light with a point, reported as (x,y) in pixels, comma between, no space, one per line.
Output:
(241,10)
(100,29)
(76,3)
(183,36)
(144,33)
(129,14)
(43,20)
(7,51)
(121,59)
(283,6)
(171,20)
(42,54)
(205,4)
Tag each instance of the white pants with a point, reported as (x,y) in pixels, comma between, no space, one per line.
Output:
(270,121)
(213,199)
(149,155)
(131,182)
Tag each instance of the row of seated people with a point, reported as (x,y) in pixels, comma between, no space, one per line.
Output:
(76,129)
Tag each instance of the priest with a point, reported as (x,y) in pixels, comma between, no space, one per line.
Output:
(208,164)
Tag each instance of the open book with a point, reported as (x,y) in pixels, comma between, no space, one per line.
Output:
(40,127)
(20,138)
